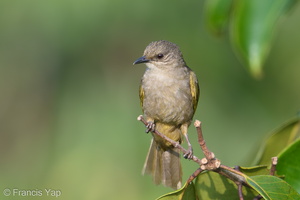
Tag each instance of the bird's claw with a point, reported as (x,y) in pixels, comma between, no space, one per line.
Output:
(150,127)
(189,154)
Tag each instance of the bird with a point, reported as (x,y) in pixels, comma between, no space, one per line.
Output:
(169,93)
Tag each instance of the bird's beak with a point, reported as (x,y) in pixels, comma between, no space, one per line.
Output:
(142,59)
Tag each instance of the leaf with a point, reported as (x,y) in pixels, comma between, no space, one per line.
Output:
(278,141)
(217,14)
(184,193)
(272,188)
(212,186)
(257,170)
(252,29)
(289,165)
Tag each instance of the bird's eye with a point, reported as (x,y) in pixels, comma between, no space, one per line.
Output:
(160,55)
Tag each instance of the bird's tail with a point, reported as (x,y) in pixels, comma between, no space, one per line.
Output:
(164,165)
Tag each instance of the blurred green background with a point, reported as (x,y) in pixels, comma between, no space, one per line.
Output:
(69,93)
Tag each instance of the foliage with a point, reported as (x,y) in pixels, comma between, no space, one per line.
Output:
(251,26)
(210,185)
(66,73)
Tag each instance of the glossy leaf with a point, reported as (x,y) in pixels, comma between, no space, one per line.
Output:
(217,14)
(253,171)
(210,185)
(289,165)
(272,188)
(184,193)
(252,29)
(278,141)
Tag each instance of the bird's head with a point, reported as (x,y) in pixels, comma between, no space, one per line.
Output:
(161,54)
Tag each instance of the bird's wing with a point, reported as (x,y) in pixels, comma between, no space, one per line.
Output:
(195,91)
(141,94)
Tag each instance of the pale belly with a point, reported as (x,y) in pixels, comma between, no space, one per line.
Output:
(170,103)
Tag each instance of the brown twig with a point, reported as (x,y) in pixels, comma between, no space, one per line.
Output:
(240,191)
(239,185)
(232,174)
(194,175)
(209,162)
(175,144)
(272,173)
(208,154)
(273,166)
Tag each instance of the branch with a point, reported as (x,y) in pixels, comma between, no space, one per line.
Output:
(273,166)
(272,173)
(209,162)
(175,144)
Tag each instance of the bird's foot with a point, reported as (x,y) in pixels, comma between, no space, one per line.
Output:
(189,154)
(150,127)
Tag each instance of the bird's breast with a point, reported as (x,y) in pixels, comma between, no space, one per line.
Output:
(167,97)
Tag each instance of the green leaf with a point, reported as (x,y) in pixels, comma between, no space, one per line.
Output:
(289,165)
(217,14)
(278,141)
(212,186)
(253,171)
(272,188)
(187,192)
(252,29)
